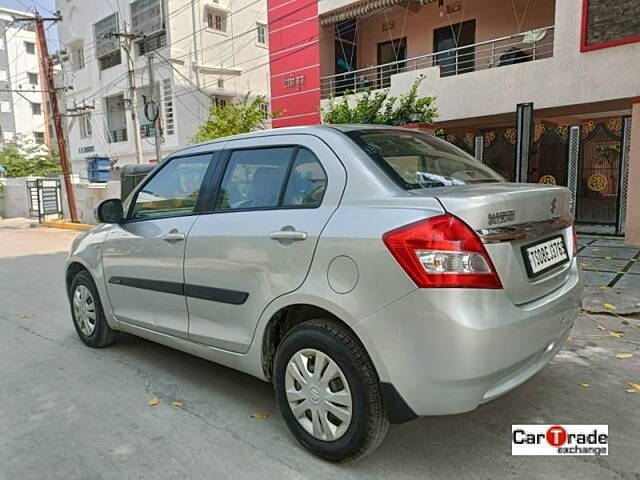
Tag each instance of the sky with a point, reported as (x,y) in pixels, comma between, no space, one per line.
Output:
(45,7)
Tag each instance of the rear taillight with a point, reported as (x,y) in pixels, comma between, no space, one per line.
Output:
(575,240)
(442,251)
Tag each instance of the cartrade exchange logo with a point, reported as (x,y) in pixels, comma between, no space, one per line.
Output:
(559,440)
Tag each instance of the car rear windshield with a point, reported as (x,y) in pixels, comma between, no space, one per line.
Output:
(416,160)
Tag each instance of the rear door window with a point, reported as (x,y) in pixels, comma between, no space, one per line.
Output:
(275,177)
(254,178)
(307,181)
(416,160)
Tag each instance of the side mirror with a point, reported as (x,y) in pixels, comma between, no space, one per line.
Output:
(110,211)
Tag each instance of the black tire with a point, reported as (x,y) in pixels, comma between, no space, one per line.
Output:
(102,335)
(369,423)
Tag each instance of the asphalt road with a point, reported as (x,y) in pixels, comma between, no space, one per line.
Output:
(69,412)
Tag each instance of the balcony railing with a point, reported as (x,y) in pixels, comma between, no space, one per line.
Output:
(524,47)
(115,136)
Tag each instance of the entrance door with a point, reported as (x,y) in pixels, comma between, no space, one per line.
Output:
(500,151)
(549,157)
(448,40)
(391,52)
(598,190)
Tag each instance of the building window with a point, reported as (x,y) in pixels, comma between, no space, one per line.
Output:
(265,109)
(36,108)
(107,46)
(154,42)
(217,20)
(261,33)
(4,76)
(221,83)
(116,119)
(86,128)
(147,17)
(111,60)
(77,57)
(220,102)
(33,78)
(169,123)
(30,48)
(5,106)
(38,137)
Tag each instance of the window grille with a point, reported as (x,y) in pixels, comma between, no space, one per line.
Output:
(147,17)
(105,43)
(169,122)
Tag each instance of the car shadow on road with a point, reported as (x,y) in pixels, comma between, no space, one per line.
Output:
(470,445)
(457,446)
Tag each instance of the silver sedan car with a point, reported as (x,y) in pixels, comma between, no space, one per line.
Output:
(373,274)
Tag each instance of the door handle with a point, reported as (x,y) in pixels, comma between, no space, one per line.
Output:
(173,237)
(288,235)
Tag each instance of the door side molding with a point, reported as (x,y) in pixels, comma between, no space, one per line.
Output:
(234,297)
(222,295)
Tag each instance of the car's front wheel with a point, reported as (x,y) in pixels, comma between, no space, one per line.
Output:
(88,315)
(328,391)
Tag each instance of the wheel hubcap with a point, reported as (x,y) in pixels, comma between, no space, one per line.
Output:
(84,309)
(318,394)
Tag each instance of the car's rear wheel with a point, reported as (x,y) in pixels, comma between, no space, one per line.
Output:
(328,391)
(88,315)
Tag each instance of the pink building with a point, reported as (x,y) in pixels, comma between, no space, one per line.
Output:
(571,65)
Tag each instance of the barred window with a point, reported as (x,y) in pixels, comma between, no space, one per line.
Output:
(261,33)
(169,122)
(147,17)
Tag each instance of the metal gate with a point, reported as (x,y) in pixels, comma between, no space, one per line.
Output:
(598,186)
(45,199)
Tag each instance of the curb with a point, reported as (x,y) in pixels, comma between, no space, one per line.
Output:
(67,225)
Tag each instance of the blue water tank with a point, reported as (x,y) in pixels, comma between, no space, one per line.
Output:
(98,169)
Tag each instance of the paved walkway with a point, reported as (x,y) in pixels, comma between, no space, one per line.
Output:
(607,261)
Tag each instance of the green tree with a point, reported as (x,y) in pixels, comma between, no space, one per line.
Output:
(243,116)
(380,108)
(22,157)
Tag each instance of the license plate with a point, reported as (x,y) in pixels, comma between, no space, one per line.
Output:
(545,255)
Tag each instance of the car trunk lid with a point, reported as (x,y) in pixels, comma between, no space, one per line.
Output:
(509,217)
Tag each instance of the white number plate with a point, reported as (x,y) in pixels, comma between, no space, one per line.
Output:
(545,255)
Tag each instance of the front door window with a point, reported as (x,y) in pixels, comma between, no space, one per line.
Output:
(173,191)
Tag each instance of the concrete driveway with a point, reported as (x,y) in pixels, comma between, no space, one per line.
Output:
(69,412)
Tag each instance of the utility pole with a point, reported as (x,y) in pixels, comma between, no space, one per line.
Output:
(133,94)
(155,115)
(47,68)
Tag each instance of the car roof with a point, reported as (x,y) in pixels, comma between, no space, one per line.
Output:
(309,129)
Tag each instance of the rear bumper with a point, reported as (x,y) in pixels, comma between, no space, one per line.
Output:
(446,351)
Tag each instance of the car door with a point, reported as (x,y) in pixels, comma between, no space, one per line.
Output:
(143,256)
(275,196)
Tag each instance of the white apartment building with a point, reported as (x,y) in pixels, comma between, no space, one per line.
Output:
(204,51)
(22,104)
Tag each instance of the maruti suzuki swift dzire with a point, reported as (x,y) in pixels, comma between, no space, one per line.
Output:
(372,274)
